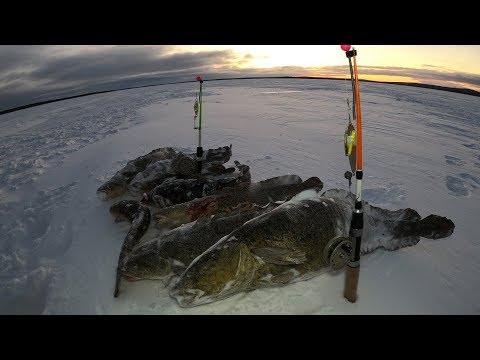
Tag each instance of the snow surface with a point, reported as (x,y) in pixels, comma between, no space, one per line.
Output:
(59,245)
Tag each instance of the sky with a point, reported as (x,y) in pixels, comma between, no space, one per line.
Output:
(36,73)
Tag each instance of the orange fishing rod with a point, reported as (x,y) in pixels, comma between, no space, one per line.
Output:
(358,107)
(352,273)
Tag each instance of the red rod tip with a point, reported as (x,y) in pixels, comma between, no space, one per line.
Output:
(199,78)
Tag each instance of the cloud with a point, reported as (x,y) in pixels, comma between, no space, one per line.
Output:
(126,62)
(67,70)
(422,75)
(37,73)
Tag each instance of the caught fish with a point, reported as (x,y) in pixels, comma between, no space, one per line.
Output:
(144,173)
(139,216)
(153,175)
(117,185)
(297,240)
(174,250)
(174,191)
(275,190)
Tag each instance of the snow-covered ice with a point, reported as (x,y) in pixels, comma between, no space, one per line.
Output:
(59,245)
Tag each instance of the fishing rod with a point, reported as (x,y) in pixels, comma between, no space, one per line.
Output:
(352,273)
(198,109)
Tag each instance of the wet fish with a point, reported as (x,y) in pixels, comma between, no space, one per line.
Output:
(176,191)
(174,250)
(117,185)
(278,189)
(153,175)
(144,173)
(289,244)
(139,216)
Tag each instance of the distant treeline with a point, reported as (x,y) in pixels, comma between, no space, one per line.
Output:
(428,86)
(444,88)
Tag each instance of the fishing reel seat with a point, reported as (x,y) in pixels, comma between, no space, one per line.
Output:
(338,252)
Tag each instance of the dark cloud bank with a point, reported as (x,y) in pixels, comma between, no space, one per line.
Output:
(31,74)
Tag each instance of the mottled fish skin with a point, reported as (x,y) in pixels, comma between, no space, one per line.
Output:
(139,216)
(273,190)
(280,180)
(175,191)
(118,184)
(287,243)
(220,155)
(182,167)
(173,251)
(153,175)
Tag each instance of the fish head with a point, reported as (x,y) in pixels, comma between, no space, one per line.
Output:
(227,268)
(145,264)
(112,189)
(121,208)
(314,182)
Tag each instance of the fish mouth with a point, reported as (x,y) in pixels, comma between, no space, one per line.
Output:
(102,195)
(130,277)
(146,267)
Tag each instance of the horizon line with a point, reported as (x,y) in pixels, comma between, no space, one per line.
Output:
(460,90)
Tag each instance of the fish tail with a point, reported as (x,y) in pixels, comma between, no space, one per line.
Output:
(117,282)
(118,276)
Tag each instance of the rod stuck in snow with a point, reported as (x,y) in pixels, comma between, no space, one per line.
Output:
(353,149)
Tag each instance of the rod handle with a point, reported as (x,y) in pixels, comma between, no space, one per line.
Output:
(351,283)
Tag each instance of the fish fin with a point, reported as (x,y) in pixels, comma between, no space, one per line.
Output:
(118,279)
(283,278)
(280,256)
(407,214)
(435,227)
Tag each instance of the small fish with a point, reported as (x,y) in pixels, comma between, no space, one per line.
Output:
(141,175)
(174,191)
(118,184)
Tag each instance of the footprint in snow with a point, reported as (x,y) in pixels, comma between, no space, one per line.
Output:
(462,184)
(389,194)
(452,160)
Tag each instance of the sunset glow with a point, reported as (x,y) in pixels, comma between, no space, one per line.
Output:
(35,73)
(428,63)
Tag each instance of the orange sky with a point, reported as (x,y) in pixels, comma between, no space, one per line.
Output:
(34,73)
(447,65)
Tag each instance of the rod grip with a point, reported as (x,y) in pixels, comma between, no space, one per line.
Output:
(351,283)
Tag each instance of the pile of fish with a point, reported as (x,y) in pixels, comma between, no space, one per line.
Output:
(219,234)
